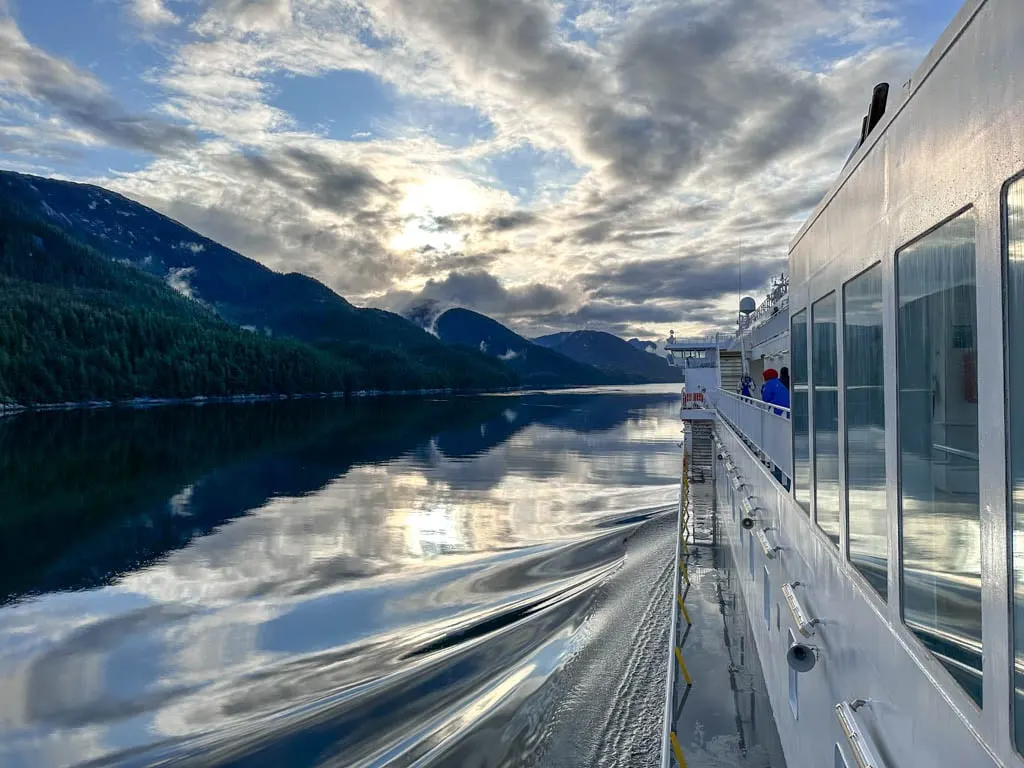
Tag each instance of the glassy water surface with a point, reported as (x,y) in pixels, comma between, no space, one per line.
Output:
(453,581)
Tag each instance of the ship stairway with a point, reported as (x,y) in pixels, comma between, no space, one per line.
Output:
(730,365)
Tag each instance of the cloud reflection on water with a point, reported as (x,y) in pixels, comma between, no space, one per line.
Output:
(302,620)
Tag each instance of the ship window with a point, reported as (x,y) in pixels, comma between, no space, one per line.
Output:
(1015,372)
(801,435)
(863,381)
(825,399)
(938,447)
(794,676)
(767,598)
(750,553)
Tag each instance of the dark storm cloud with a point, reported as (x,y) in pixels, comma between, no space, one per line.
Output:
(480,291)
(693,277)
(433,262)
(80,99)
(510,221)
(497,222)
(598,232)
(626,319)
(686,81)
(323,182)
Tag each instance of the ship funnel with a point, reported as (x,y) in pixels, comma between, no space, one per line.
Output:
(879,99)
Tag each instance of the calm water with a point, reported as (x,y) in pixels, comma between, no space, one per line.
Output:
(465,581)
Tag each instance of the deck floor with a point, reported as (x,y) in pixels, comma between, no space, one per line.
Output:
(724,718)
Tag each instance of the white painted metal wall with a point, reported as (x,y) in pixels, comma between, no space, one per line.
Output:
(863,655)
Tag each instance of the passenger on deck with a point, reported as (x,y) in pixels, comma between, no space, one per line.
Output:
(747,386)
(784,377)
(774,391)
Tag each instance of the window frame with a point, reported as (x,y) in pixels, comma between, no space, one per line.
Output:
(1009,522)
(844,523)
(808,510)
(900,598)
(834,295)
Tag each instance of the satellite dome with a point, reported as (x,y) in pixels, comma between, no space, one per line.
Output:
(747,305)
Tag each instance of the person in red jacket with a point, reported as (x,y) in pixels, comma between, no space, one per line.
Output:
(774,391)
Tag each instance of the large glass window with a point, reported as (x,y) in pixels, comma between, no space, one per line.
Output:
(825,397)
(798,401)
(1015,371)
(938,441)
(863,382)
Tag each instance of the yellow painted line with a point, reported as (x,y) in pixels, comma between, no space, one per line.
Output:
(682,607)
(682,666)
(678,750)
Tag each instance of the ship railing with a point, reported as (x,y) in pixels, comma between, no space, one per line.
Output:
(763,426)
(694,401)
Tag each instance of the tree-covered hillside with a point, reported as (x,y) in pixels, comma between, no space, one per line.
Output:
(76,326)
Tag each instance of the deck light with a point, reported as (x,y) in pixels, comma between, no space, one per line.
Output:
(766,547)
(803,623)
(863,750)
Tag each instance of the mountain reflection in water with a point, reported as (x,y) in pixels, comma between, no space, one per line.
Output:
(324,583)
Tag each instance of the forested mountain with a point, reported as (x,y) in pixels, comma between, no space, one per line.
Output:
(75,325)
(240,290)
(536,365)
(611,354)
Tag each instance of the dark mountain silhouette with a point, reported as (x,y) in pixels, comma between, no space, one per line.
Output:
(611,354)
(536,365)
(242,291)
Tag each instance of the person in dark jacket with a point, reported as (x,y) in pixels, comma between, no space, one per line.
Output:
(773,391)
(784,377)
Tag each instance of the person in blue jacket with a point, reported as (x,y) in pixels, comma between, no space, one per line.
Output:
(774,391)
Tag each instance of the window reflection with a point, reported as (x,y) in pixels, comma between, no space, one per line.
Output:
(863,381)
(938,414)
(801,436)
(1015,371)
(825,396)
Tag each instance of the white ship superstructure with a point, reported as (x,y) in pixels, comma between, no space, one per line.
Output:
(877,525)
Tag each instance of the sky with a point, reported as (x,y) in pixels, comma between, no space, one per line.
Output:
(622,165)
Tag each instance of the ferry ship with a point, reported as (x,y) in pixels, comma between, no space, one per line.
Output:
(876,526)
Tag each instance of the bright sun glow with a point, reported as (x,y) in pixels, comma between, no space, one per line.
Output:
(436,197)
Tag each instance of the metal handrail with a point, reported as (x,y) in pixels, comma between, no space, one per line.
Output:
(955,452)
(758,403)
(764,426)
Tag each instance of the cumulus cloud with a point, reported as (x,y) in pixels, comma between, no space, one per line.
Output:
(642,163)
(151,12)
(247,15)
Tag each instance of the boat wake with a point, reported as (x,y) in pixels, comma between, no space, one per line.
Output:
(565,670)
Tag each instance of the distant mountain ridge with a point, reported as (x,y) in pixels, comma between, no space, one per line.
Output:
(536,365)
(609,353)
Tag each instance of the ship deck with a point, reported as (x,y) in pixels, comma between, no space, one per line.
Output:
(724,718)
